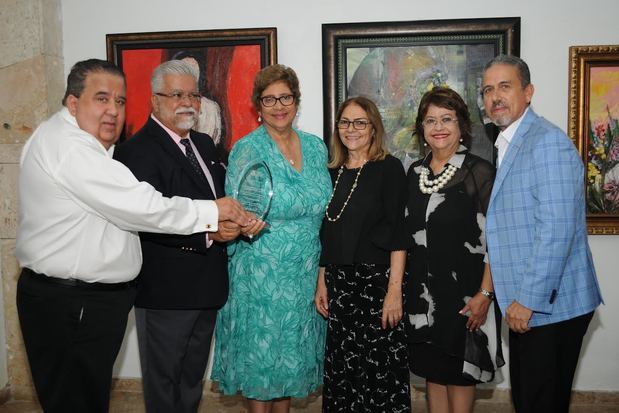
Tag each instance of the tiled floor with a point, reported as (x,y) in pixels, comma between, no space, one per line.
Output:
(132,403)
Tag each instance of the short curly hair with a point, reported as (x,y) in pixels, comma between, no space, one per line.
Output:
(272,74)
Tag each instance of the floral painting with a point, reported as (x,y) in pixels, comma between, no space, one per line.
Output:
(594,126)
(603,151)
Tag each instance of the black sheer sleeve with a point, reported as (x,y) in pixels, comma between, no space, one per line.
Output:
(479,180)
(390,233)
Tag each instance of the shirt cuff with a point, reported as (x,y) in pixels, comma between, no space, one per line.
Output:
(208,215)
(209,242)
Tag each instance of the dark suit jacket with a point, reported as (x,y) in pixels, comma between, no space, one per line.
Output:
(178,271)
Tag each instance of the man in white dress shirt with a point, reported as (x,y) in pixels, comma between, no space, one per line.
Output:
(77,241)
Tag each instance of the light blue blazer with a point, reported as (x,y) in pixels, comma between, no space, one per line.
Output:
(536,229)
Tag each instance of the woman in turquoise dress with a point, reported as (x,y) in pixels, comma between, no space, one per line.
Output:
(269,337)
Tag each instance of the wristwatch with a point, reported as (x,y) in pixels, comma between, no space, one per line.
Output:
(488,294)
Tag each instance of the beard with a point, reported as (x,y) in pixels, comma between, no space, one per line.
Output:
(501,120)
(186,122)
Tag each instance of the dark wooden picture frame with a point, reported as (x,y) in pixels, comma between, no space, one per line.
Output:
(394,63)
(593,124)
(228,61)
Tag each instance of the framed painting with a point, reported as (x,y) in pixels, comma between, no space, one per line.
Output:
(227,60)
(395,63)
(593,124)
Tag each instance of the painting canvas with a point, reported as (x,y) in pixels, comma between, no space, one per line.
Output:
(394,64)
(227,61)
(594,125)
(603,153)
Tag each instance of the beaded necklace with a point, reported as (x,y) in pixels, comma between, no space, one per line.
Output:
(352,189)
(428,186)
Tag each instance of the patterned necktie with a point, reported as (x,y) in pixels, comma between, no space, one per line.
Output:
(191,157)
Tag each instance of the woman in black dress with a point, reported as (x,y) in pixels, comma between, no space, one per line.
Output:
(362,264)
(453,324)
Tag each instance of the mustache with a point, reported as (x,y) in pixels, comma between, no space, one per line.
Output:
(185,110)
(498,104)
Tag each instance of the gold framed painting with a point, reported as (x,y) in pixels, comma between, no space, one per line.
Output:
(593,124)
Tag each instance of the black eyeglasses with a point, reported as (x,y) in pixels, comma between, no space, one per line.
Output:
(285,100)
(179,96)
(358,124)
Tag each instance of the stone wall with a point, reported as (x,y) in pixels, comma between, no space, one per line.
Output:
(31,85)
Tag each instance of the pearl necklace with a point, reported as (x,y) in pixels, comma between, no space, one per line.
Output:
(352,189)
(428,186)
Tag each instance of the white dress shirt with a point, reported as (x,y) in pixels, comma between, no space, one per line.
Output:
(505,137)
(80,210)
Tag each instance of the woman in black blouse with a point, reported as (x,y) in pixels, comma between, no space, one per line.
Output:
(362,264)
(454,327)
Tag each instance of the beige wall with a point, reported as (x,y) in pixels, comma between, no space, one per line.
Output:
(31,84)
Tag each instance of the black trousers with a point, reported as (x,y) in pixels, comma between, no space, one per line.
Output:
(72,336)
(542,363)
(174,349)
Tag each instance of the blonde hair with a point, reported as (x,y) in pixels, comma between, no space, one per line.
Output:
(377,152)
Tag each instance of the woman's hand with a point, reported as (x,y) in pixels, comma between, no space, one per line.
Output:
(477,307)
(392,308)
(254,227)
(321,298)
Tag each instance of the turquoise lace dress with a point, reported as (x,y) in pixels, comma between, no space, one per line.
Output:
(269,338)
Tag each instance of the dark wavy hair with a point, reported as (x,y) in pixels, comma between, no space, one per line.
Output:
(445,98)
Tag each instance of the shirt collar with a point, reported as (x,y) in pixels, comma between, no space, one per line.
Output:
(64,112)
(509,132)
(176,137)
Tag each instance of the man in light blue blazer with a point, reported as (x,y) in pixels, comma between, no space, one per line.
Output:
(542,269)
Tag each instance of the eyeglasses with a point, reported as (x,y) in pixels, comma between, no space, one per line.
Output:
(285,100)
(431,123)
(358,124)
(179,97)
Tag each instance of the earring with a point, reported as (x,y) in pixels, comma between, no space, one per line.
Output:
(425,144)
(461,140)
(259,118)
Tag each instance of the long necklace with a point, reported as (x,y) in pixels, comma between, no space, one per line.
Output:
(429,186)
(352,189)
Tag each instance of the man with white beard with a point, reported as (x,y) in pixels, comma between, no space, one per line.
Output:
(184,279)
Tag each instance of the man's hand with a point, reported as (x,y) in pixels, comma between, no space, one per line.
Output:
(517,317)
(231,210)
(227,231)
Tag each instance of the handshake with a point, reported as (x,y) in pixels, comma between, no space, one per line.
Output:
(235,220)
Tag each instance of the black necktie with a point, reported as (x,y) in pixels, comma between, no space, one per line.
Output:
(191,156)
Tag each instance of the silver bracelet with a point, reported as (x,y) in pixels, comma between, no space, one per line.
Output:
(488,294)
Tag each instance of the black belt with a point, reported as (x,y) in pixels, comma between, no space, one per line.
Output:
(72,282)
